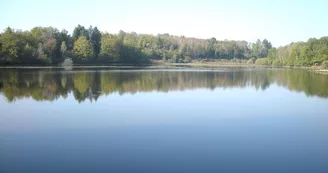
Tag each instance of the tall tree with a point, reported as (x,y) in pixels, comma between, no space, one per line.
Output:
(110,48)
(63,48)
(83,48)
(12,45)
(80,31)
(95,37)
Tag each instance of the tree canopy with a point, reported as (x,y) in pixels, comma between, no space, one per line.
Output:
(49,46)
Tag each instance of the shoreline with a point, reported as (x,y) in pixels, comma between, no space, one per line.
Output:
(157,65)
(152,66)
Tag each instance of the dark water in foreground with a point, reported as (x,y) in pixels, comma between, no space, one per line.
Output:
(229,120)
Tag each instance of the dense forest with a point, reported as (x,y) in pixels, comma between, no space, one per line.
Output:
(49,85)
(49,46)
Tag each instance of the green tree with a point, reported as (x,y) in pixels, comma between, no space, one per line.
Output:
(257,49)
(63,48)
(110,48)
(82,48)
(1,53)
(80,31)
(164,57)
(41,55)
(47,45)
(95,37)
(10,45)
(266,46)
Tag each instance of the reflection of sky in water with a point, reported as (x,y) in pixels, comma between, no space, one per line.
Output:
(238,129)
(176,107)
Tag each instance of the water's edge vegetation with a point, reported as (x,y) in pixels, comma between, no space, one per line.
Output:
(89,46)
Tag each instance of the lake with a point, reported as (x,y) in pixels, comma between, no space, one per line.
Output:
(163,120)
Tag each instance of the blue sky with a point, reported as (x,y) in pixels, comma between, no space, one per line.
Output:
(281,22)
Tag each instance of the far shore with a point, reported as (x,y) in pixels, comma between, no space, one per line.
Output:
(168,65)
(161,64)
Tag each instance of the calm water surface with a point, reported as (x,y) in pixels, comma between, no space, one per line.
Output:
(186,120)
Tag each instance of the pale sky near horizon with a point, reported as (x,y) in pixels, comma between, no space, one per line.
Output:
(279,21)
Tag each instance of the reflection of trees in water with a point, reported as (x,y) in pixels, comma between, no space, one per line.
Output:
(50,84)
(303,81)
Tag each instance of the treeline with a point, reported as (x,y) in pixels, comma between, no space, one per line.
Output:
(50,85)
(49,46)
(312,52)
